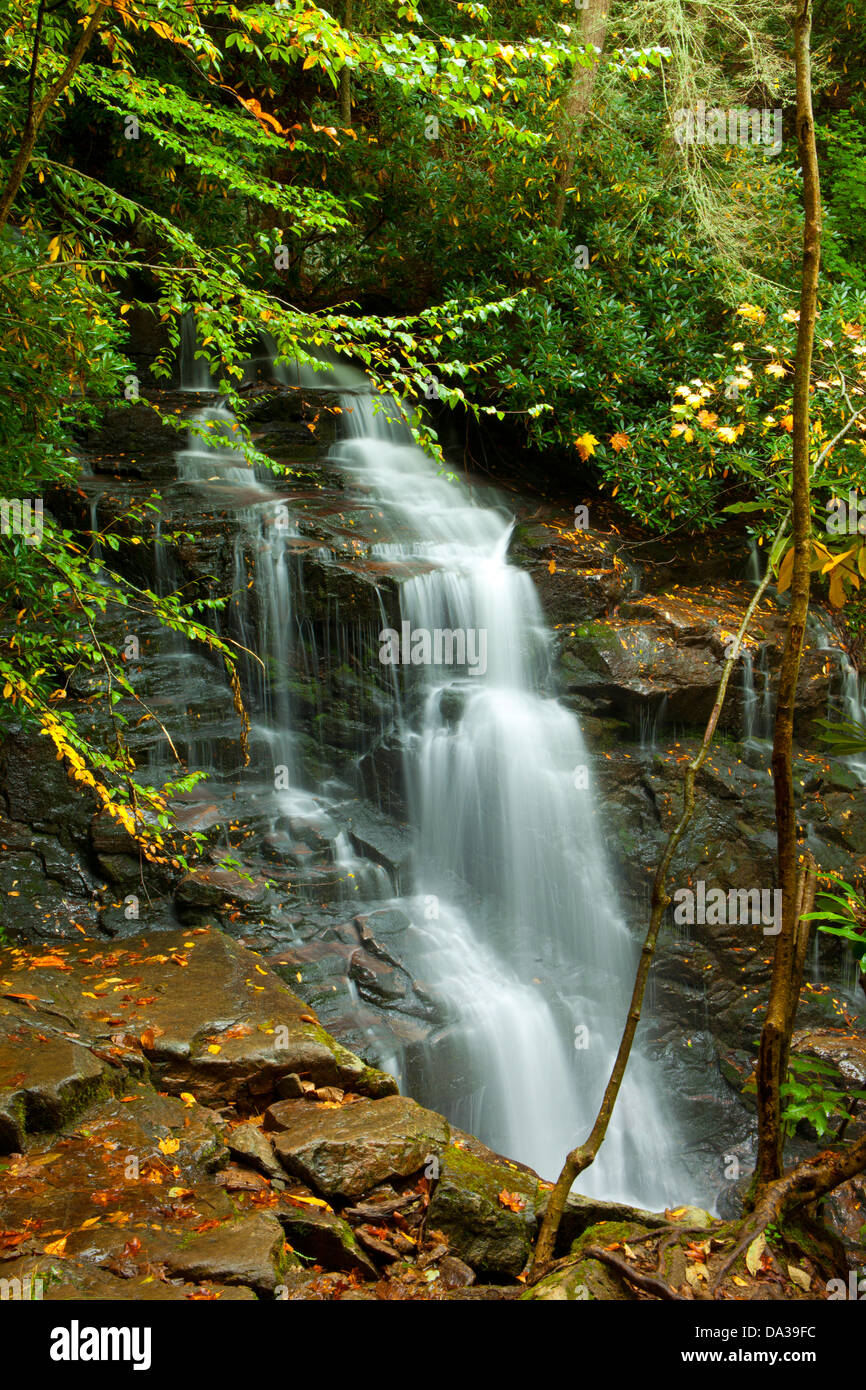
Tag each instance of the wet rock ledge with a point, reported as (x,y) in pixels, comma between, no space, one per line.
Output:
(175,1123)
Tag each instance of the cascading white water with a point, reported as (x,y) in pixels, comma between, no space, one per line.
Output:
(212,459)
(194,371)
(854,709)
(535,964)
(757,704)
(517,931)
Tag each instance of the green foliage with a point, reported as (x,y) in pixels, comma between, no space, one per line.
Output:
(844,140)
(845,910)
(199,160)
(809,1098)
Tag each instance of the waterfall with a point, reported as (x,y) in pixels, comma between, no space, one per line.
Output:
(526,944)
(194,371)
(757,703)
(853,699)
(516,930)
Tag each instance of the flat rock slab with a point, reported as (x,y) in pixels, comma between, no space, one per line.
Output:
(346,1150)
(44,1078)
(42,1278)
(246,1251)
(130,1199)
(196,1009)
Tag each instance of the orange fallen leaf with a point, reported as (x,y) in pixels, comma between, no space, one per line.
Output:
(240,1030)
(9,1239)
(56,1247)
(511,1200)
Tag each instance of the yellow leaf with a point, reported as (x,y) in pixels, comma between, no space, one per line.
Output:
(57,1247)
(754,1253)
(169,1146)
(837,593)
(586,445)
(551,568)
(214,1047)
(786,569)
(618,442)
(309,1201)
(837,560)
(800,1277)
(187,1098)
(310,60)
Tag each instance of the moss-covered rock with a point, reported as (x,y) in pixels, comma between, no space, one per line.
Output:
(487,1210)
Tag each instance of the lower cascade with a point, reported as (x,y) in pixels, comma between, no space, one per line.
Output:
(515,928)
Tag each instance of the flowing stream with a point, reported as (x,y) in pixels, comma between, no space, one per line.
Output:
(516,927)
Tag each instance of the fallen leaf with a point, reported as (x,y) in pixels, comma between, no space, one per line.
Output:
(511,1200)
(9,1239)
(800,1277)
(306,1201)
(169,1146)
(57,1247)
(754,1253)
(240,1030)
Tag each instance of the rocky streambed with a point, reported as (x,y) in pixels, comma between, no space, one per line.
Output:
(178,1125)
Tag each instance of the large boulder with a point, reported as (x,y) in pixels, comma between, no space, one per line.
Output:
(487,1211)
(346,1151)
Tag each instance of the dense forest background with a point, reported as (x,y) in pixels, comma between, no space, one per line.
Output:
(492,207)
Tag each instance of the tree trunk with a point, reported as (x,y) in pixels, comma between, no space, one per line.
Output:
(593,29)
(775,1036)
(346,77)
(37,110)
